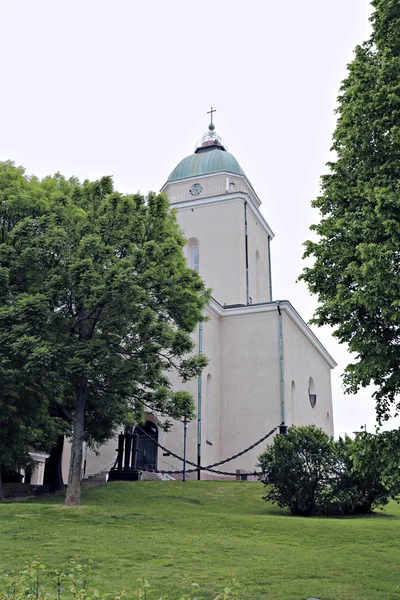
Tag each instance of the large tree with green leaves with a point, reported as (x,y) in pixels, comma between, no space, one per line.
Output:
(356,273)
(121,304)
(26,362)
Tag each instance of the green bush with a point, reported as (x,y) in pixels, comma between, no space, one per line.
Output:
(310,473)
(296,469)
(36,582)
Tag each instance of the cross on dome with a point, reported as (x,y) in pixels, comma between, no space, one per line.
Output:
(210,139)
(211,126)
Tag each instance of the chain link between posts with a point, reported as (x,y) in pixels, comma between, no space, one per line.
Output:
(209,468)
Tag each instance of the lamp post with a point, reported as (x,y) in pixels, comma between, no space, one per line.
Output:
(363,429)
(184,448)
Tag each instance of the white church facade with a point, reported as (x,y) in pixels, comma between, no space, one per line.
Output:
(265,364)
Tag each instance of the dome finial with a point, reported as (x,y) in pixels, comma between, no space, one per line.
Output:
(210,139)
(211,126)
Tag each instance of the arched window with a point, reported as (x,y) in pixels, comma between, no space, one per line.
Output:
(193,249)
(194,262)
(312,393)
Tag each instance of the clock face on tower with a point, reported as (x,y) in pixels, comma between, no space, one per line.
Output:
(196,189)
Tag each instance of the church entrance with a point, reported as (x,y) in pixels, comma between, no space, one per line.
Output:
(147,454)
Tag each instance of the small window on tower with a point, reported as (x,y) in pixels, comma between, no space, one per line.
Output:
(312,396)
(194,258)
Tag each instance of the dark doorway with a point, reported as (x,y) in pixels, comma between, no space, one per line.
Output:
(147,454)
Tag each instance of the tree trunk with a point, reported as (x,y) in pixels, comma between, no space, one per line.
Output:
(53,469)
(1,488)
(75,468)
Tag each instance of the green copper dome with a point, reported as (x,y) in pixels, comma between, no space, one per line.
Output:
(214,160)
(210,156)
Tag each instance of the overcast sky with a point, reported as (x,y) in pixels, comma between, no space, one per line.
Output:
(122,88)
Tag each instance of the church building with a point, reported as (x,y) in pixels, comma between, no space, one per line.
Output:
(265,364)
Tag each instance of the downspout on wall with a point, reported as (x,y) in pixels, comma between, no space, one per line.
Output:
(281,365)
(269,268)
(246,247)
(199,401)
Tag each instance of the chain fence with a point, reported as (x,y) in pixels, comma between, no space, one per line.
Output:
(209,468)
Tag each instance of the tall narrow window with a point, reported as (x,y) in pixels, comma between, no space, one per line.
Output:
(258,277)
(293,399)
(194,258)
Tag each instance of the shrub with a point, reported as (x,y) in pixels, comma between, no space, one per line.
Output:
(309,473)
(296,468)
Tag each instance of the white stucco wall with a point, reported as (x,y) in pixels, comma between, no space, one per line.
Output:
(249,383)
(219,228)
(259,284)
(302,361)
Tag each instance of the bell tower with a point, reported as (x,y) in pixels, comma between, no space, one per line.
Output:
(228,240)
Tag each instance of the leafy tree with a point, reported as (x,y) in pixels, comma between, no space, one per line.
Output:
(121,304)
(356,273)
(376,459)
(357,477)
(24,353)
(296,468)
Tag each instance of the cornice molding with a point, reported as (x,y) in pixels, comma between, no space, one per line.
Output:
(207,175)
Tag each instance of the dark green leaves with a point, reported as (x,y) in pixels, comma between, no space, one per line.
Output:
(95,295)
(356,273)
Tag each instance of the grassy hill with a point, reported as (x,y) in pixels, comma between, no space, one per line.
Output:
(209,531)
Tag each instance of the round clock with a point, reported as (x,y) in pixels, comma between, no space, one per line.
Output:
(196,189)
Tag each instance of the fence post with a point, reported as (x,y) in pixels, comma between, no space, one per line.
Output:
(121,439)
(282,429)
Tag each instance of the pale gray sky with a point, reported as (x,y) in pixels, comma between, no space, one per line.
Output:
(122,88)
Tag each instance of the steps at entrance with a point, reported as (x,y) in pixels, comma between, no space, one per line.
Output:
(96,479)
(147,476)
(102,477)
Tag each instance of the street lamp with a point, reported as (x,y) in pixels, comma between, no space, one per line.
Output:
(184,448)
(363,429)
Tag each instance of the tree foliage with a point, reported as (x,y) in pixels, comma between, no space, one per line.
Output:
(356,273)
(119,302)
(309,473)
(25,357)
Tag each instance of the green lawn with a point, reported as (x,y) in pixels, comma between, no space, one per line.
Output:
(210,531)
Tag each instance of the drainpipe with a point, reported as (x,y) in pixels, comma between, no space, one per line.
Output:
(85,460)
(246,246)
(281,362)
(199,399)
(269,268)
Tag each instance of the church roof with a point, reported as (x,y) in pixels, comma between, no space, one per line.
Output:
(210,156)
